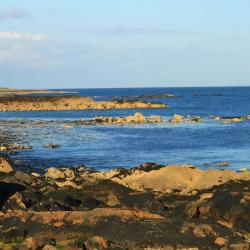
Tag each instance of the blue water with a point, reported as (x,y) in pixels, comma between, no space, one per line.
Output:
(105,147)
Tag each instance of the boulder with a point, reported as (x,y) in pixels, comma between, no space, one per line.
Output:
(221,241)
(5,165)
(52,145)
(69,174)
(177,118)
(140,118)
(29,244)
(54,173)
(223,164)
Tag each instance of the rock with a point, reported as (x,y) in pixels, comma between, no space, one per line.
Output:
(194,118)
(223,164)
(36,174)
(244,170)
(3,148)
(29,244)
(66,184)
(15,202)
(54,173)
(26,178)
(202,231)
(97,242)
(248,117)
(67,126)
(177,118)
(239,246)
(5,165)
(69,174)
(155,119)
(52,145)
(140,118)
(216,118)
(237,120)
(180,177)
(49,247)
(221,241)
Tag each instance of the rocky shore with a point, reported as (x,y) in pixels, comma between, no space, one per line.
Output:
(147,207)
(31,103)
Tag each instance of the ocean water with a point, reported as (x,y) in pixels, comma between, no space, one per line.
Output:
(106,147)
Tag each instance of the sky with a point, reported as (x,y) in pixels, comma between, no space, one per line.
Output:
(124,43)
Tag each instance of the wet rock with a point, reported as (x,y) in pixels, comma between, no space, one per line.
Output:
(52,145)
(140,118)
(5,165)
(194,119)
(216,118)
(155,119)
(177,118)
(244,170)
(223,164)
(85,170)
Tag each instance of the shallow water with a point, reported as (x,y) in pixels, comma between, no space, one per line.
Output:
(105,147)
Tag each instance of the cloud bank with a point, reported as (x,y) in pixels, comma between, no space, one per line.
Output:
(22,36)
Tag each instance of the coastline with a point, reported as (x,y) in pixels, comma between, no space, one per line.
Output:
(165,206)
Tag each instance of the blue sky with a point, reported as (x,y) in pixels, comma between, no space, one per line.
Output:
(124,43)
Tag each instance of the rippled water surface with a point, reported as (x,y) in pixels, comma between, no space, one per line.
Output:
(105,147)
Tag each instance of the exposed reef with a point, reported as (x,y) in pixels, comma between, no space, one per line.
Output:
(150,96)
(31,103)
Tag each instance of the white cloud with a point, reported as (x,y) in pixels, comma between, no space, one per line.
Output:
(13,13)
(22,36)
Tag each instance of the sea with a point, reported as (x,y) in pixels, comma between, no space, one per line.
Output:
(105,147)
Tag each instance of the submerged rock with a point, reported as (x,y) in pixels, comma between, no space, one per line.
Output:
(52,145)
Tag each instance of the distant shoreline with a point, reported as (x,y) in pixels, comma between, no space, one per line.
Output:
(7,91)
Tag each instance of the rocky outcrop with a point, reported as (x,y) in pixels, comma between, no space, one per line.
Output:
(29,103)
(136,118)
